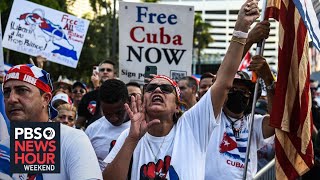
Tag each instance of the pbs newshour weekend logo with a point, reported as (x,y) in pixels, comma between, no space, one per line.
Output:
(35,147)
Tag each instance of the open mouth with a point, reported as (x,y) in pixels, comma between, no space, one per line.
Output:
(157,98)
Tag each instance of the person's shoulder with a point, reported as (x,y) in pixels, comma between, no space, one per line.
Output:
(259,116)
(96,124)
(124,133)
(92,93)
(67,131)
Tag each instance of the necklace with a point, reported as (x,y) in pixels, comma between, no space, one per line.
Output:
(155,155)
(236,131)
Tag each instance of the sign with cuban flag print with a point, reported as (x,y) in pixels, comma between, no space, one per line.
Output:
(40,31)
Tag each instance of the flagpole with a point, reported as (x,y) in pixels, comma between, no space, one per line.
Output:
(259,51)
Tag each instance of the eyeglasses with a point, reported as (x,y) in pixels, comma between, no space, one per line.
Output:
(243,91)
(105,69)
(165,88)
(81,91)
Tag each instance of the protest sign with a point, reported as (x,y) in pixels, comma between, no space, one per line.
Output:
(40,31)
(155,35)
(1,51)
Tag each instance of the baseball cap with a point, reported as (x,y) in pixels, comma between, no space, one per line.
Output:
(31,74)
(244,78)
(78,83)
(62,97)
(57,100)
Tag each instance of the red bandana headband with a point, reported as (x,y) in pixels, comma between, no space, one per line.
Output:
(30,74)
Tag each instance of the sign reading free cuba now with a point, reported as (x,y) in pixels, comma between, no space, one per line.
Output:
(35,147)
(155,35)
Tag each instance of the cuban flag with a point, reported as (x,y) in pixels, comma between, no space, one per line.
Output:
(310,14)
(4,122)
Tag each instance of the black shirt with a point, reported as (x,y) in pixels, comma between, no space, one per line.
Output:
(89,107)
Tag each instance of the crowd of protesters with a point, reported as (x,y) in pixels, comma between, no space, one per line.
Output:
(162,129)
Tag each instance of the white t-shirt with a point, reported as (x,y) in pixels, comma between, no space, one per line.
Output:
(103,136)
(226,154)
(78,160)
(182,151)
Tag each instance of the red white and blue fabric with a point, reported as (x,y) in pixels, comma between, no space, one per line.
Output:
(172,82)
(291,111)
(309,11)
(4,121)
(31,74)
(4,162)
(245,62)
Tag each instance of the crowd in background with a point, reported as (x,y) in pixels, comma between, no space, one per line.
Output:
(110,114)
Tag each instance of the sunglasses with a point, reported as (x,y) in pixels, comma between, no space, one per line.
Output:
(80,91)
(165,88)
(105,69)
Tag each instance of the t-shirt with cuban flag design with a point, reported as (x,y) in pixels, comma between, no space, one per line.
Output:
(180,155)
(226,152)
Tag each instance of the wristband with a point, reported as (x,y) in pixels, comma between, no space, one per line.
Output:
(240,34)
(238,40)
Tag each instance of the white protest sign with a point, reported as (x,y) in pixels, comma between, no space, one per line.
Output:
(40,31)
(1,51)
(155,35)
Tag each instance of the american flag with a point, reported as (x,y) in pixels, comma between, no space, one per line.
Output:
(291,111)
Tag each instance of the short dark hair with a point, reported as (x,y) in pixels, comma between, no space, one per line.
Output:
(207,75)
(107,62)
(113,91)
(191,81)
(132,83)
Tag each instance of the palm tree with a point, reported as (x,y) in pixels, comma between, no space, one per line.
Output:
(201,37)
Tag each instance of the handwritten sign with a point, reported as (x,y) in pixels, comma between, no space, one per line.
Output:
(40,31)
(155,35)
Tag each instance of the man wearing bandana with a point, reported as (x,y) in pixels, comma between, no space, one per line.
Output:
(27,92)
(228,143)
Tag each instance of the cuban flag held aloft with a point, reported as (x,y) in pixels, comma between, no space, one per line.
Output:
(4,122)
(310,13)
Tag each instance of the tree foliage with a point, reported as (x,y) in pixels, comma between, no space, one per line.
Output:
(201,37)
(201,34)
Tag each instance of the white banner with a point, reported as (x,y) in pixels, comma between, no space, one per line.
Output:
(155,35)
(1,51)
(40,31)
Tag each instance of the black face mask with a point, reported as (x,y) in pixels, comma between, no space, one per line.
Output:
(237,102)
